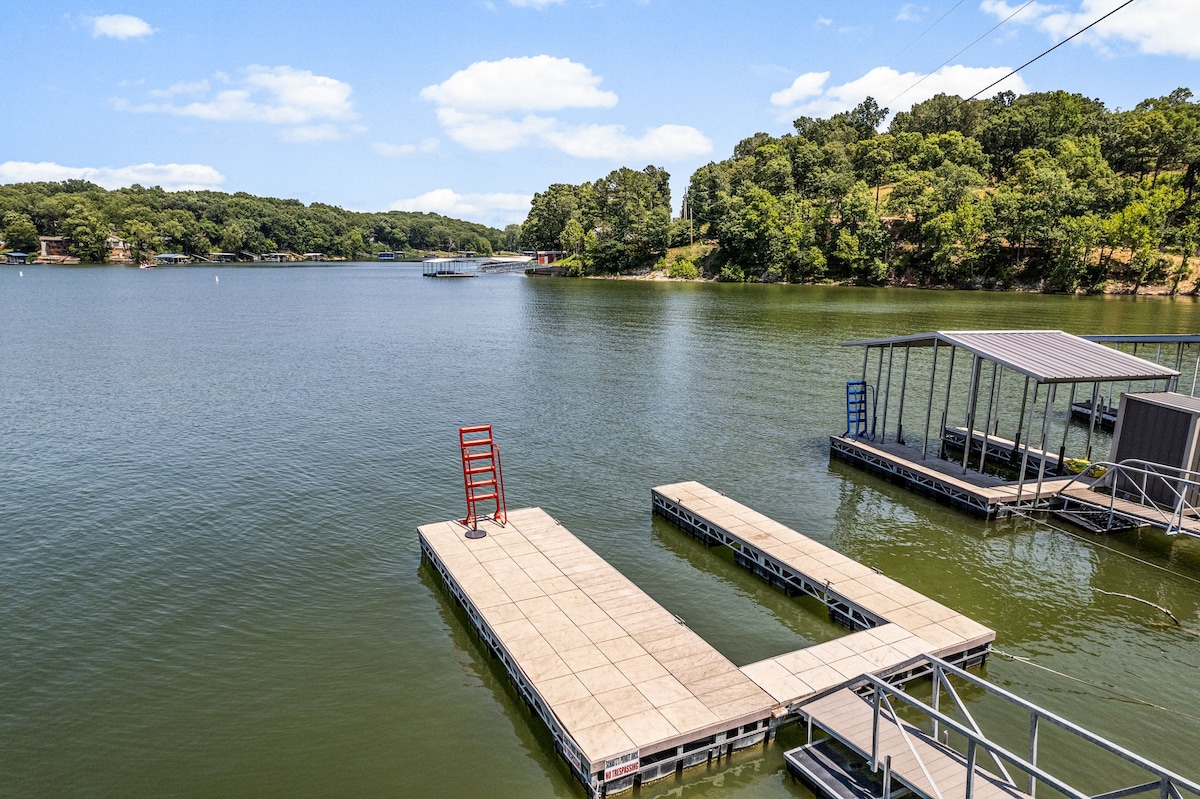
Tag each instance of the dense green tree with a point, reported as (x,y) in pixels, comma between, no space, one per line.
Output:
(19,232)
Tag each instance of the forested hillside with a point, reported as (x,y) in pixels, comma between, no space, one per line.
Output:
(152,220)
(1049,190)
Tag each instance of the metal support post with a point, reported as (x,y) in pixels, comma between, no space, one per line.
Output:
(946,407)
(929,405)
(1021,416)
(903,387)
(1025,455)
(1062,450)
(887,393)
(1091,422)
(1045,435)
(987,422)
(972,400)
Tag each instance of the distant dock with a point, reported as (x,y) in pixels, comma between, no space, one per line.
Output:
(628,692)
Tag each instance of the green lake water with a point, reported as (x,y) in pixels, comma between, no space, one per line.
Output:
(209,494)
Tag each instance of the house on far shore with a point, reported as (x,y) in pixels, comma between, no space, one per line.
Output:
(119,251)
(53,250)
(545,257)
(16,258)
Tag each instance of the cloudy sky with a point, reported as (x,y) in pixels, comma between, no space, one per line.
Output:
(468,107)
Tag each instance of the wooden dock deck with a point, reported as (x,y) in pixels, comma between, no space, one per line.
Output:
(627,690)
(894,622)
(919,763)
(982,495)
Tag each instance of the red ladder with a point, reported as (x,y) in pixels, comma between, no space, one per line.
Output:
(482,478)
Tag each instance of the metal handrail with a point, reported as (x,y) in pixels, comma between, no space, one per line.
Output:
(1169,783)
(1175,479)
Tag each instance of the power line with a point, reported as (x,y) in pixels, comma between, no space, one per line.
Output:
(990,31)
(1047,52)
(931,27)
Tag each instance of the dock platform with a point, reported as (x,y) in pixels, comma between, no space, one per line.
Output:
(626,689)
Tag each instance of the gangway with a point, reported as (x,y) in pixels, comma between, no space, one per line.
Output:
(940,756)
(1109,496)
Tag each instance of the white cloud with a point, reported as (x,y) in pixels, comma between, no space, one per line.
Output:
(313,134)
(498,209)
(274,95)
(537,83)
(883,83)
(169,176)
(804,86)
(664,143)
(120,26)
(488,107)
(1157,27)
(194,87)
(388,150)
(538,4)
(823,21)
(909,13)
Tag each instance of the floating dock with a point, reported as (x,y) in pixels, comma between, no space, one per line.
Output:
(628,692)
(973,492)
(893,622)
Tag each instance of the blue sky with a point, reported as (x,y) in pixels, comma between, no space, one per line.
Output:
(468,107)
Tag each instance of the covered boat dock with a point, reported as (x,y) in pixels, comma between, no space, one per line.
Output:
(996,460)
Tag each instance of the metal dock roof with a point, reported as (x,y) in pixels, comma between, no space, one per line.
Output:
(1047,356)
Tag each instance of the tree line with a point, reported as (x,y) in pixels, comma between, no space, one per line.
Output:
(152,220)
(1049,190)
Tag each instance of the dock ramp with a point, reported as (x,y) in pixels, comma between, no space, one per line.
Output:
(879,739)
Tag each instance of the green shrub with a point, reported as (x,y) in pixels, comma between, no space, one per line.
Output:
(683,269)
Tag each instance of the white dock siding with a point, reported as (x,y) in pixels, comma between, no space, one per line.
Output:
(626,689)
(895,622)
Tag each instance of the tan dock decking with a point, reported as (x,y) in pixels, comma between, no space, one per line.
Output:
(981,494)
(612,673)
(939,771)
(899,622)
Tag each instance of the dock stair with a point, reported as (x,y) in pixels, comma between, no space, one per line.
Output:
(483,480)
(879,740)
(857,396)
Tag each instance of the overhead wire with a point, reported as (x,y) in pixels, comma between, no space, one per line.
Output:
(1050,50)
(931,27)
(983,36)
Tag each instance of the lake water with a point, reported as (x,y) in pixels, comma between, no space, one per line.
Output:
(209,494)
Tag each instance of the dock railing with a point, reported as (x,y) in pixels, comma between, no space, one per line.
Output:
(1167,784)
(1168,493)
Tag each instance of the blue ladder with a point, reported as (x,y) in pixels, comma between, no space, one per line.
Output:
(856,410)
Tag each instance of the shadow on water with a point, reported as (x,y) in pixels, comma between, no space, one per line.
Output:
(802,615)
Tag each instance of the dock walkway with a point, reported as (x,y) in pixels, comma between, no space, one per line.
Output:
(919,763)
(894,623)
